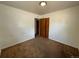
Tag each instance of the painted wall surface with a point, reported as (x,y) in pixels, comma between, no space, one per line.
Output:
(64,26)
(16,26)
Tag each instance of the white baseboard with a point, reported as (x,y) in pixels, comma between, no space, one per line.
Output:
(16,43)
(0,51)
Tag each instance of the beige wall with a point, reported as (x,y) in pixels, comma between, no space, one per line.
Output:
(64,26)
(16,26)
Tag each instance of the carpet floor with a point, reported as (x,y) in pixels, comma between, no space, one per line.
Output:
(35,48)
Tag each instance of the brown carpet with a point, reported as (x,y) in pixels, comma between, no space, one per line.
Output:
(38,47)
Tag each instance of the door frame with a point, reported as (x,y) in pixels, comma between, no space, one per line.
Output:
(39,25)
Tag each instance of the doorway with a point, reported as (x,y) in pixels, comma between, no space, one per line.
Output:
(42,27)
(36,27)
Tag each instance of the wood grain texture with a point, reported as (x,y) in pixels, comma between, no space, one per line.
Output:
(39,48)
(44,27)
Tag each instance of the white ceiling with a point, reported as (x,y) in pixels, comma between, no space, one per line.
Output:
(34,7)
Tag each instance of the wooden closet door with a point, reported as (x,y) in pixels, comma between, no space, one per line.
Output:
(44,27)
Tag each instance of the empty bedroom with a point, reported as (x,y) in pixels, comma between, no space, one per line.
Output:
(39,29)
